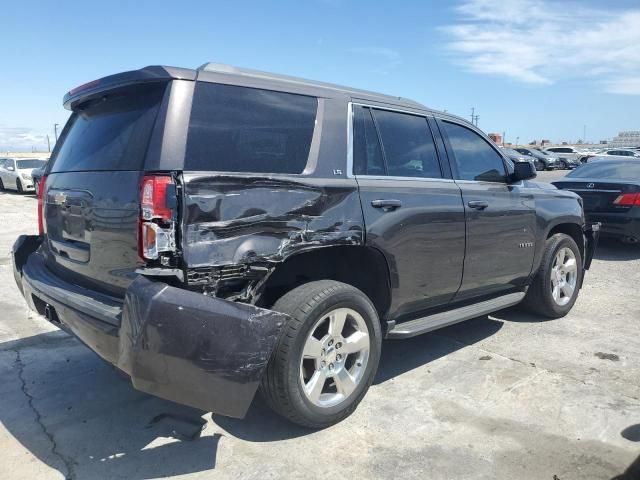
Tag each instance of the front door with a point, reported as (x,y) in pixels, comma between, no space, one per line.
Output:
(500,216)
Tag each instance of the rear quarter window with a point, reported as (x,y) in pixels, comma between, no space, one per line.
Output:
(240,129)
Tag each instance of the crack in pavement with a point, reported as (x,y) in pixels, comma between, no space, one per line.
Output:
(68,463)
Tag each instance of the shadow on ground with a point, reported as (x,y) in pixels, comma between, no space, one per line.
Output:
(615,251)
(78,415)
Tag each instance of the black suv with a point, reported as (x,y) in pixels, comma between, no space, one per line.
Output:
(217,230)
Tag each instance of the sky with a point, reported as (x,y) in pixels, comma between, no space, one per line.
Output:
(531,68)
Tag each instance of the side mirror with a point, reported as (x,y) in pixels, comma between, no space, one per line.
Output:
(523,171)
(11,169)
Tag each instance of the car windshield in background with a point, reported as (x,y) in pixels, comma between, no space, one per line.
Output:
(111,133)
(30,163)
(625,170)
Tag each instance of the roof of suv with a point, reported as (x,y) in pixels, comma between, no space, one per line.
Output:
(290,80)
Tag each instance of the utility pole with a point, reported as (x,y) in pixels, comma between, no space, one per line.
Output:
(55,130)
(476,120)
(517,138)
(48,144)
(473,110)
(504,137)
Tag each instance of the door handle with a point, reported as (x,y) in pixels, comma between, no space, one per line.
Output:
(478,204)
(387,204)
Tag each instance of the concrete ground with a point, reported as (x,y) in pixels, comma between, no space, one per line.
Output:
(505,397)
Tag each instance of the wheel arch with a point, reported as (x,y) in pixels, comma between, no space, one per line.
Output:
(363,267)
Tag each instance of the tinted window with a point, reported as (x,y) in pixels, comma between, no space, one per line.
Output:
(408,146)
(609,169)
(524,151)
(474,157)
(31,163)
(238,129)
(110,133)
(367,155)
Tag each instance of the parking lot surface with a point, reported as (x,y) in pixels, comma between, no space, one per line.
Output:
(501,396)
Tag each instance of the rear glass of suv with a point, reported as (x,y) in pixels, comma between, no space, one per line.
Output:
(240,129)
(111,132)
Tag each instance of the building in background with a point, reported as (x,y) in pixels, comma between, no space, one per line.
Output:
(629,138)
(496,137)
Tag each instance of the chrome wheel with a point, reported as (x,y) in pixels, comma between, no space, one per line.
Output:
(564,276)
(334,357)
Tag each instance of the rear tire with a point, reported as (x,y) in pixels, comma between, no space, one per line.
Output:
(555,287)
(317,376)
(1,186)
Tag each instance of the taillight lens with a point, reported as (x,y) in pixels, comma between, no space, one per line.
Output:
(627,199)
(41,203)
(156,226)
(153,199)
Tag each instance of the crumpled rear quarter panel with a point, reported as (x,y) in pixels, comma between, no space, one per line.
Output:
(246,219)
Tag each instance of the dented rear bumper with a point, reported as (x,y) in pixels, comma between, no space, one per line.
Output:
(183,346)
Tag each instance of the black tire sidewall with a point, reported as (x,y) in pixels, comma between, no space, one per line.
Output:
(347,298)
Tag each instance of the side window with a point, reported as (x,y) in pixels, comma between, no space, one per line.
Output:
(409,149)
(474,157)
(367,155)
(239,129)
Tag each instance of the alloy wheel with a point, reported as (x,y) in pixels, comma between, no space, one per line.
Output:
(334,357)
(564,276)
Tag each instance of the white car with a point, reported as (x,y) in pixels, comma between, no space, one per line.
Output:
(15,173)
(620,152)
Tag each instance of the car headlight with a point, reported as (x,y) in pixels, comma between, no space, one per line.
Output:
(25,176)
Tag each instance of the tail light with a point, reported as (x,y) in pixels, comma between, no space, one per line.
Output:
(157,216)
(41,203)
(627,199)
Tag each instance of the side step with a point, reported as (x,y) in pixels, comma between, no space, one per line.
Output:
(415,327)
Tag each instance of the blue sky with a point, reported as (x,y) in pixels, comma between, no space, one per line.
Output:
(533,68)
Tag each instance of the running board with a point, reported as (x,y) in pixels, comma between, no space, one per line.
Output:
(443,319)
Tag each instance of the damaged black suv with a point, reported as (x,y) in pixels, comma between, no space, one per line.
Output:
(217,230)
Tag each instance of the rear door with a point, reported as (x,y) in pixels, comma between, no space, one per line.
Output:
(413,213)
(93,188)
(500,217)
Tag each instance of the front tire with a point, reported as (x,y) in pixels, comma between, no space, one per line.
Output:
(327,356)
(555,287)
(1,186)
(19,186)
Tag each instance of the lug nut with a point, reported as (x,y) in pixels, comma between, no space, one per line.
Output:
(331,366)
(330,342)
(338,357)
(338,345)
(323,364)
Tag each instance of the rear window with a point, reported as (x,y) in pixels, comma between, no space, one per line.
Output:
(239,129)
(30,164)
(110,133)
(608,169)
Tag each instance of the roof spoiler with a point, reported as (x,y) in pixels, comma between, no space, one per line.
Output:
(145,75)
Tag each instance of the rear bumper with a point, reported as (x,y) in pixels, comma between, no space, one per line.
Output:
(200,351)
(620,225)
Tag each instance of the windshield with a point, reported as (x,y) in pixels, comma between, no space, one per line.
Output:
(608,169)
(110,133)
(30,163)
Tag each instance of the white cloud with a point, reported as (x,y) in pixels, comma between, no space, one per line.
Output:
(547,41)
(19,139)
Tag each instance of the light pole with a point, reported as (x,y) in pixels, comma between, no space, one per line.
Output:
(55,131)
(517,138)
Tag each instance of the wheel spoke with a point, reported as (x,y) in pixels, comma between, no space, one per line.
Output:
(315,385)
(559,259)
(567,290)
(356,342)
(312,348)
(556,292)
(336,322)
(345,383)
(570,265)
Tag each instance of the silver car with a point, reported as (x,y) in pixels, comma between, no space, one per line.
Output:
(15,173)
